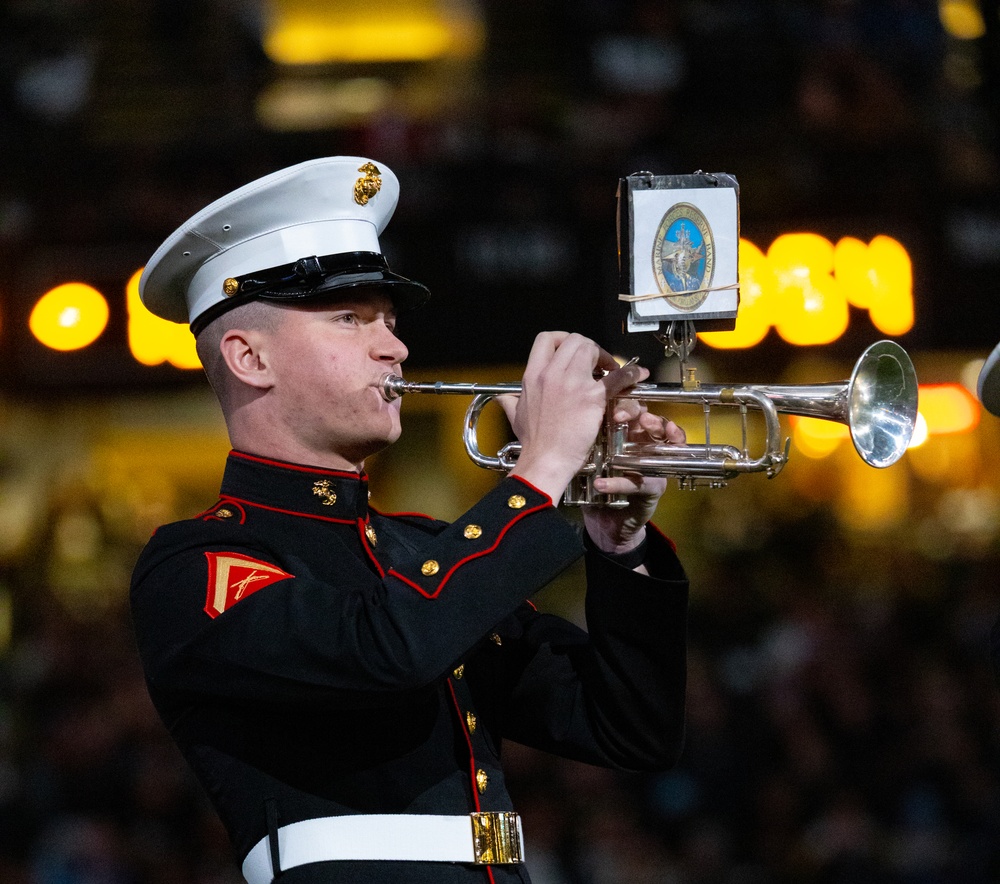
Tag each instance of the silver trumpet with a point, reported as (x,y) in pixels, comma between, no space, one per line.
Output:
(878,403)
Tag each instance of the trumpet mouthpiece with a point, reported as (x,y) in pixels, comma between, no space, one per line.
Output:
(391,386)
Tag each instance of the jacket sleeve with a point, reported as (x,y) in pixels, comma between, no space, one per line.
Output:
(341,630)
(614,694)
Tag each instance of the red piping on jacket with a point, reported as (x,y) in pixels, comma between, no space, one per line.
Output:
(472,760)
(344,474)
(469,558)
(364,545)
(278,509)
(210,513)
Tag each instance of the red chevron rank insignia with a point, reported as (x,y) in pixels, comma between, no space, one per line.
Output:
(232,577)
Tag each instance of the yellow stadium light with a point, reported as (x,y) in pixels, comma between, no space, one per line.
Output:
(962,19)
(891,275)
(305,32)
(948,408)
(756,302)
(69,317)
(804,284)
(852,269)
(817,438)
(877,277)
(919,436)
(153,340)
(810,308)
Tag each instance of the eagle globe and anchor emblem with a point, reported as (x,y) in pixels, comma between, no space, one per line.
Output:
(684,257)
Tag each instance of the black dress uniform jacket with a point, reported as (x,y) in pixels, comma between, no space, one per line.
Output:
(313,657)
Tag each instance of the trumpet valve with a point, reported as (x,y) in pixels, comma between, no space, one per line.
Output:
(690,380)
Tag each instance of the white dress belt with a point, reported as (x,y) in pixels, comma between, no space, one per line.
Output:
(483,838)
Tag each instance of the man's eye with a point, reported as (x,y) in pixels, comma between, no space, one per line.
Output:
(349,318)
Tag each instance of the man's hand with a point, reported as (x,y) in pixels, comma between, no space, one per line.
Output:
(622,530)
(567,385)
(564,395)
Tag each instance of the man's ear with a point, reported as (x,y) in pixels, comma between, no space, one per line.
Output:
(245,354)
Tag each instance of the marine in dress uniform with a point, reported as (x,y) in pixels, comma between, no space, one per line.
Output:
(341,680)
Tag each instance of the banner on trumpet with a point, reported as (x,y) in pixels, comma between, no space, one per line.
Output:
(678,250)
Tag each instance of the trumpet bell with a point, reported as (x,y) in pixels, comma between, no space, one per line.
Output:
(878,403)
(882,396)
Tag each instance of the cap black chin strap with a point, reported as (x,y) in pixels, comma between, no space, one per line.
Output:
(309,269)
(307,273)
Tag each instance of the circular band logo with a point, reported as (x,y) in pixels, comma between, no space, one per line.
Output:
(684,256)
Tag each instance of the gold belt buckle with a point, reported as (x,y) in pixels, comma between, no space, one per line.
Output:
(496,837)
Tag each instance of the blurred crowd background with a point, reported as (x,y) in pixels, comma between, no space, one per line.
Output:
(844,726)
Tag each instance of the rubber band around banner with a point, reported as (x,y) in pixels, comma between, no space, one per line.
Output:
(720,288)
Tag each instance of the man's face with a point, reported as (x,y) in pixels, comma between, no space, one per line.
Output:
(327,361)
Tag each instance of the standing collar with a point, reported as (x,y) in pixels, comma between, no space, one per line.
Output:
(318,493)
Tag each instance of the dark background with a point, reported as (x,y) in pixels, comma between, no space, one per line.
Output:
(118,120)
(843,726)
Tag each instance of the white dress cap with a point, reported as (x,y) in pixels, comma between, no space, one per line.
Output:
(294,234)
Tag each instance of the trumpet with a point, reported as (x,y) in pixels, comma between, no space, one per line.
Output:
(878,403)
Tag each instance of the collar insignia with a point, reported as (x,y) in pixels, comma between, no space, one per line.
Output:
(324,489)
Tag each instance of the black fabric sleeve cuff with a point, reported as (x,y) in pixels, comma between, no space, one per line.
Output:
(657,554)
(631,559)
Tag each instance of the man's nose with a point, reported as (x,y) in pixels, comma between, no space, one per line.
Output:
(389,348)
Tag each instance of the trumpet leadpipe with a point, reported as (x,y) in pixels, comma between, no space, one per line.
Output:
(392,386)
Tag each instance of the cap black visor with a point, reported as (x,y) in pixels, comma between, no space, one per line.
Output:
(318,277)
